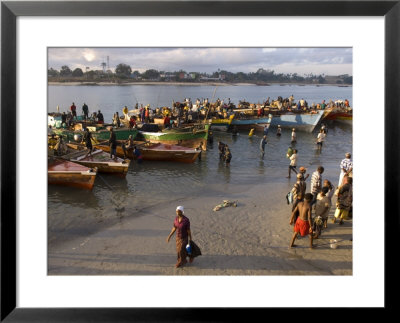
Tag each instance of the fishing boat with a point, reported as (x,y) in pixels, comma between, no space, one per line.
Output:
(342,115)
(101,160)
(247,122)
(157,152)
(99,133)
(221,124)
(67,173)
(302,121)
(191,137)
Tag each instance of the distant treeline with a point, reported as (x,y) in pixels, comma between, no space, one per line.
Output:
(123,73)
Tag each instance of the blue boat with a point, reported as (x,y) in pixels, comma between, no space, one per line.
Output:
(301,121)
(243,123)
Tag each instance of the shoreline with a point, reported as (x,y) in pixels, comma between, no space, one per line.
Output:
(187,84)
(250,239)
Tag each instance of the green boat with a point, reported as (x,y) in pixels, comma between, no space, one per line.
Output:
(191,137)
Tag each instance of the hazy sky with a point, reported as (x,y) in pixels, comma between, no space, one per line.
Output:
(328,61)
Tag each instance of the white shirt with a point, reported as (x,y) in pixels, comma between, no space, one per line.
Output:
(293,160)
(321,137)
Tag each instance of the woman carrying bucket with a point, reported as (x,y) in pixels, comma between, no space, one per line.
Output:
(183,236)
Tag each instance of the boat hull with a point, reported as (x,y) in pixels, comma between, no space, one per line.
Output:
(301,121)
(337,116)
(190,139)
(67,173)
(246,124)
(159,152)
(345,120)
(221,124)
(104,163)
(99,135)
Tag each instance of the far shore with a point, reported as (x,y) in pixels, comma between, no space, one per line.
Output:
(186,84)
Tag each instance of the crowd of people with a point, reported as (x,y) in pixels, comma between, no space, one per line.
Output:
(188,111)
(310,210)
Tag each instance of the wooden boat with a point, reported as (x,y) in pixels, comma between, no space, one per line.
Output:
(99,159)
(67,173)
(301,120)
(342,115)
(248,122)
(191,137)
(157,152)
(99,133)
(221,124)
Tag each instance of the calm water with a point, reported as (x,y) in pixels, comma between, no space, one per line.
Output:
(74,212)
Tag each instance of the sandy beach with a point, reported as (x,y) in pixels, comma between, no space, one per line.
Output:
(250,239)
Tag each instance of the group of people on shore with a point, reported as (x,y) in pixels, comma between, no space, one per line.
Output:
(319,201)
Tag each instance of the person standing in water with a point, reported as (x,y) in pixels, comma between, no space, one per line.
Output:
(293,162)
(221,148)
(320,139)
(279,131)
(263,142)
(294,137)
(227,155)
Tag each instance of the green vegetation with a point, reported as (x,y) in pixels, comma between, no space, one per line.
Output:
(123,74)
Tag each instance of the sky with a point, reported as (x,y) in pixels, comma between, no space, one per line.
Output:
(303,61)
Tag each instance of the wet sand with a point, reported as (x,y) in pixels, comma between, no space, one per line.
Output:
(250,239)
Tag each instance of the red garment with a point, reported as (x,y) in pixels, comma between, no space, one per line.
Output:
(73,108)
(302,227)
(182,227)
(167,121)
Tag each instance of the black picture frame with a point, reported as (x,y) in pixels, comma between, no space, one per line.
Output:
(10,10)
